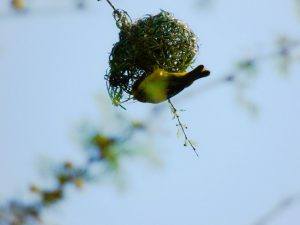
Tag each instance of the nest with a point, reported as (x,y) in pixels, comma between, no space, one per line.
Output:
(159,41)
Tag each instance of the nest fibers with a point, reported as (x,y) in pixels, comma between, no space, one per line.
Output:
(159,41)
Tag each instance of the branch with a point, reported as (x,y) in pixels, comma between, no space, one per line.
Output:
(102,149)
(278,209)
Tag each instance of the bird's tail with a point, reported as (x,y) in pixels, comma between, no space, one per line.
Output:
(197,73)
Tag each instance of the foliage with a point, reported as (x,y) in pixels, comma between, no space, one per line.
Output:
(105,152)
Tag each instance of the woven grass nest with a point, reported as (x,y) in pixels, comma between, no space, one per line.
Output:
(159,41)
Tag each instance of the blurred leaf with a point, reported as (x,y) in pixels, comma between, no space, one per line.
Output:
(248,66)
(297,7)
(284,58)
(50,197)
(18,5)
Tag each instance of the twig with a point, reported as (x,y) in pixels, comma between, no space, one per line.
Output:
(182,126)
(111,5)
(278,209)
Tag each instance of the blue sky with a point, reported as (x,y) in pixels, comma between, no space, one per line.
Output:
(51,72)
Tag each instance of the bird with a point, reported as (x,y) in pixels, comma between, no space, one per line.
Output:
(162,85)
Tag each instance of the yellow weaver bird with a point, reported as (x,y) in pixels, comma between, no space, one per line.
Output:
(161,85)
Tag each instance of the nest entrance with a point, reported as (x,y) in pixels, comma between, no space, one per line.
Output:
(159,41)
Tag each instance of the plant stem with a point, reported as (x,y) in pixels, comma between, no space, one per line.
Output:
(111,5)
(182,126)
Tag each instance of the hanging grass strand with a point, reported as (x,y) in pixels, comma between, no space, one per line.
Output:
(182,127)
(110,4)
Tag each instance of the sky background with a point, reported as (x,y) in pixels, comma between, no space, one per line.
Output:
(52,64)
